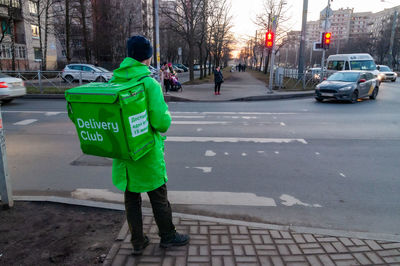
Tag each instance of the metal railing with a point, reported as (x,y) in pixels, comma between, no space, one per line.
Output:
(48,81)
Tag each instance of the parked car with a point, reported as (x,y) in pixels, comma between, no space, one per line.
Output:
(87,72)
(181,66)
(177,69)
(153,71)
(11,88)
(386,73)
(196,67)
(348,86)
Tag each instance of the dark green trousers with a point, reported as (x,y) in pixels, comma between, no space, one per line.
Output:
(161,210)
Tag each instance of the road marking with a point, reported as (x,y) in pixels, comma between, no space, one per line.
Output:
(226,153)
(244,154)
(282,124)
(342,175)
(33,112)
(200,122)
(249,117)
(234,140)
(183,197)
(276,152)
(234,113)
(51,113)
(210,153)
(317,153)
(288,200)
(25,122)
(188,116)
(260,151)
(205,169)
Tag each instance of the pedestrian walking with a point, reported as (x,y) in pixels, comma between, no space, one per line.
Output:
(147,174)
(240,67)
(218,80)
(244,68)
(166,77)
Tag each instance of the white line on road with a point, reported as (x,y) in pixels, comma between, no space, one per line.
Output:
(244,154)
(288,200)
(184,197)
(282,124)
(188,116)
(342,175)
(317,153)
(25,122)
(200,122)
(276,152)
(51,113)
(233,113)
(226,153)
(234,140)
(199,129)
(209,153)
(33,112)
(205,169)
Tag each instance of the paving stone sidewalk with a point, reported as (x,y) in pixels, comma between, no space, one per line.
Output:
(215,243)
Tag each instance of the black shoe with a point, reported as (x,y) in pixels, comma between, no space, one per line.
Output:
(138,249)
(177,240)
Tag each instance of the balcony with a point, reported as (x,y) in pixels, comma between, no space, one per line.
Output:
(15,9)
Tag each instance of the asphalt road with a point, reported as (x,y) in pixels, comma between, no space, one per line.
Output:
(327,165)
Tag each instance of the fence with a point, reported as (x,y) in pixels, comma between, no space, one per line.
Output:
(52,81)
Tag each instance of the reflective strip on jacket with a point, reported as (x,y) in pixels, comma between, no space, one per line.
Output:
(149,172)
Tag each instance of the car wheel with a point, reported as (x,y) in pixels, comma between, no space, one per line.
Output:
(100,79)
(374,94)
(319,99)
(354,97)
(7,100)
(69,78)
(393,80)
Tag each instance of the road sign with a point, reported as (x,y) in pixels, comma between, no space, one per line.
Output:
(317,46)
(328,24)
(327,11)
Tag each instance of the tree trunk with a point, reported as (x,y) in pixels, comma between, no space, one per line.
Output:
(67,32)
(202,75)
(84,31)
(46,33)
(191,51)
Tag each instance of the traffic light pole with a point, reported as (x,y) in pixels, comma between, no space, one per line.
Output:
(390,54)
(302,42)
(325,29)
(157,37)
(271,72)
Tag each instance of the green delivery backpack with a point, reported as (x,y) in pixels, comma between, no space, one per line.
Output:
(111,119)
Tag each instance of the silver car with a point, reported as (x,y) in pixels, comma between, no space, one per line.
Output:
(85,72)
(385,73)
(11,88)
(348,86)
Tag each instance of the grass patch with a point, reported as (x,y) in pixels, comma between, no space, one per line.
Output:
(289,84)
(209,79)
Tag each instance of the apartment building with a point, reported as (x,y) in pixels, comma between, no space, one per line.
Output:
(22,33)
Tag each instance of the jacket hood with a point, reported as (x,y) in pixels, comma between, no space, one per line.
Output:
(130,69)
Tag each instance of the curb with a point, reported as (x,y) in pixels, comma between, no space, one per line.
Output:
(172,98)
(290,228)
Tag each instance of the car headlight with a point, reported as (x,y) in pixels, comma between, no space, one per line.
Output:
(317,87)
(395,74)
(345,88)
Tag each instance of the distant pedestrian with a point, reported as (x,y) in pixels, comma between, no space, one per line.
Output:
(163,69)
(147,174)
(240,67)
(218,80)
(244,68)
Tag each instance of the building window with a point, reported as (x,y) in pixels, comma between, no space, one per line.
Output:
(14,3)
(38,53)
(5,27)
(33,8)
(35,31)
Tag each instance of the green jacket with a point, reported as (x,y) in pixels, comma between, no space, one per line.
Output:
(149,172)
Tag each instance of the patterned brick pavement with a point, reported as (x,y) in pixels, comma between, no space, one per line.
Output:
(214,243)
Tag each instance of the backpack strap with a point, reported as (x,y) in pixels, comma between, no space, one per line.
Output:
(147,76)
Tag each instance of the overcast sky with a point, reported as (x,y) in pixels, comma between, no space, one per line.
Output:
(243,11)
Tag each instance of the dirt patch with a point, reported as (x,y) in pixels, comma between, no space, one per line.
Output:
(40,233)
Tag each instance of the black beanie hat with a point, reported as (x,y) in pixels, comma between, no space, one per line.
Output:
(139,48)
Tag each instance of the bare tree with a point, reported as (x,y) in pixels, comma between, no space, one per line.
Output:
(186,16)
(277,10)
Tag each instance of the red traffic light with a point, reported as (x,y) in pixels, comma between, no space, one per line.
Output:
(269,39)
(327,38)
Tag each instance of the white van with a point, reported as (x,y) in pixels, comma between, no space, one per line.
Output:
(339,62)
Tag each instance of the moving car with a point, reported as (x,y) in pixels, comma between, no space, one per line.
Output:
(177,69)
(363,62)
(386,73)
(153,71)
(11,88)
(87,72)
(348,86)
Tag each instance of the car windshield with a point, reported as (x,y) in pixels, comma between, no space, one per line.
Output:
(385,69)
(363,65)
(344,76)
(3,75)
